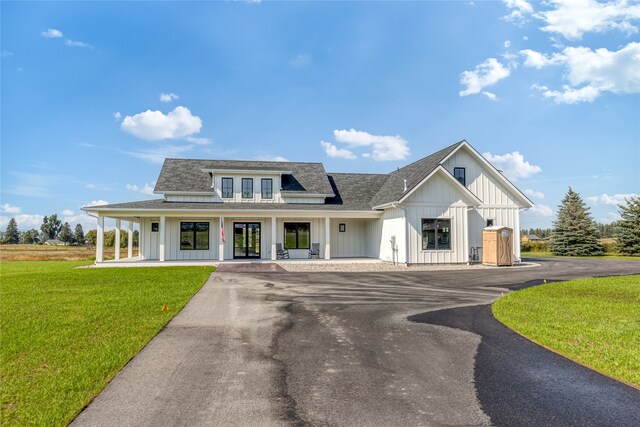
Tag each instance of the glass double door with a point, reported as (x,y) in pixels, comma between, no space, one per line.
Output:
(246,240)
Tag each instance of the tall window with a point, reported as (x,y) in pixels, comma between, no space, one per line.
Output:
(436,234)
(460,175)
(227,188)
(297,235)
(247,188)
(267,188)
(194,236)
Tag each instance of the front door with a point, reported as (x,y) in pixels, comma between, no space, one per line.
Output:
(246,240)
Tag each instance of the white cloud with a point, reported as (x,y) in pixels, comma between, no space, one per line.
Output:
(98,202)
(490,95)
(146,189)
(507,44)
(486,74)
(573,18)
(156,126)
(301,60)
(91,186)
(513,165)
(534,193)
(518,11)
(24,221)
(605,199)
(6,53)
(541,210)
(67,212)
(7,208)
(156,155)
(76,43)
(51,33)
(333,151)
(168,97)
(599,71)
(117,116)
(198,140)
(383,147)
(270,158)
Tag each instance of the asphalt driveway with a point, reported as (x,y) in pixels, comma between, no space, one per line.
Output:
(337,349)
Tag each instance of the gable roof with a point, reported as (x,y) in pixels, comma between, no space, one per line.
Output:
(414,173)
(190,175)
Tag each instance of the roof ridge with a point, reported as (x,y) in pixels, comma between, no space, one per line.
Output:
(236,160)
(435,152)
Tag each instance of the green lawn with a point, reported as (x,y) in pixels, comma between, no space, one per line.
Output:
(550,255)
(595,322)
(65,332)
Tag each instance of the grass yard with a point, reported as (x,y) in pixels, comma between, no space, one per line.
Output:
(57,253)
(595,322)
(550,255)
(65,332)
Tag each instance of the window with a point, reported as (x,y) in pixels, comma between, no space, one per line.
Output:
(194,236)
(267,188)
(489,223)
(460,175)
(154,227)
(227,188)
(247,188)
(436,234)
(297,235)
(342,227)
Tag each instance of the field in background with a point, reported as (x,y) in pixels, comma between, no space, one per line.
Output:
(550,255)
(56,253)
(66,332)
(592,321)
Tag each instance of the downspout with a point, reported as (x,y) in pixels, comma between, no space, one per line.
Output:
(406,232)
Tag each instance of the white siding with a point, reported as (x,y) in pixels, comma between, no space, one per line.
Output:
(458,251)
(353,241)
(172,242)
(374,237)
(190,198)
(265,236)
(503,217)
(304,200)
(480,181)
(317,235)
(393,224)
(257,188)
(150,243)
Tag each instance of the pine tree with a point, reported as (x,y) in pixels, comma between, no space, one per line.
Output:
(627,230)
(66,235)
(30,237)
(78,235)
(11,235)
(574,232)
(51,227)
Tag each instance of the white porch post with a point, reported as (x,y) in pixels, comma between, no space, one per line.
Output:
(100,240)
(220,240)
(163,230)
(327,238)
(130,239)
(117,242)
(273,238)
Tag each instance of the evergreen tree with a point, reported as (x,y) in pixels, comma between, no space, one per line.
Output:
(91,237)
(66,235)
(78,235)
(628,228)
(574,231)
(11,235)
(50,227)
(30,237)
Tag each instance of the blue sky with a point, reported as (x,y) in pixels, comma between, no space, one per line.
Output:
(96,94)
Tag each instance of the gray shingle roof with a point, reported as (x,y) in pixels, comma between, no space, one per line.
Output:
(414,173)
(351,191)
(188,175)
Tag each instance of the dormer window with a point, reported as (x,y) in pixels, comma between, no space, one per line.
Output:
(267,188)
(460,175)
(247,188)
(227,188)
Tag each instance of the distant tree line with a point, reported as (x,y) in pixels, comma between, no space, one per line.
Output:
(53,229)
(604,231)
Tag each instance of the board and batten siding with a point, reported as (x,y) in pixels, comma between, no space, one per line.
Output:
(237,188)
(480,181)
(151,240)
(393,225)
(265,235)
(317,235)
(353,242)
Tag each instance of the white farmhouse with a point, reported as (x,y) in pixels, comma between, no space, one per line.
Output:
(431,211)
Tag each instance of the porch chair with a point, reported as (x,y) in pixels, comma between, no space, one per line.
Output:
(281,253)
(315,250)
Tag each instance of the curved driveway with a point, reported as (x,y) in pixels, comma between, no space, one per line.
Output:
(337,349)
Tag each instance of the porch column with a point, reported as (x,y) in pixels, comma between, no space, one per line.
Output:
(221,239)
(130,240)
(273,238)
(100,240)
(163,229)
(327,238)
(117,242)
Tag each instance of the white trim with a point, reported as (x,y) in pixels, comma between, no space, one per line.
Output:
(248,171)
(495,172)
(185,193)
(286,193)
(114,212)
